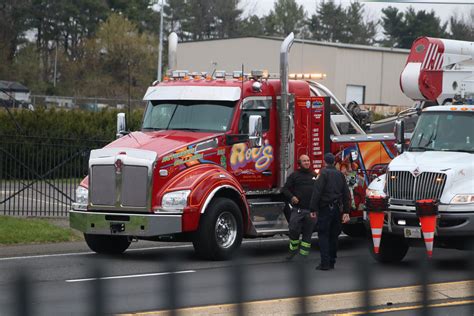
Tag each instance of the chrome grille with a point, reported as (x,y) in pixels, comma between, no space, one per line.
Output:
(126,189)
(403,185)
(102,188)
(134,186)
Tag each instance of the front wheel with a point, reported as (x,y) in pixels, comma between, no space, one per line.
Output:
(354,229)
(106,244)
(392,249)
(220,230)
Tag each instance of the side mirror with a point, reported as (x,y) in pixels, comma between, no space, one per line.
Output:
(400,135)
(255,131)
(121,125)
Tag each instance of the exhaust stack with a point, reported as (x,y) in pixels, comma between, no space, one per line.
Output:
(172,51)
(286,139)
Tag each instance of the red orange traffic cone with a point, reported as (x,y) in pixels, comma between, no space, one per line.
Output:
(428,225)
(427,211)
(375,206)
(376,225)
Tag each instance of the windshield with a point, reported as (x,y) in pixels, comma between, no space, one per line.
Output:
(188,115)
(444,131)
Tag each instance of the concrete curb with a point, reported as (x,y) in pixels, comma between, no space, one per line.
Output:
(333,303)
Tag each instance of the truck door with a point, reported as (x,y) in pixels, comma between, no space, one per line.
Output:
(255,167)
(312,129)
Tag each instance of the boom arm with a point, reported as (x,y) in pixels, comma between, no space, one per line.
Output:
(439,70)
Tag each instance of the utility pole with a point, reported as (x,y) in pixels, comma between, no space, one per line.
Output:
(55,65)
(160,47)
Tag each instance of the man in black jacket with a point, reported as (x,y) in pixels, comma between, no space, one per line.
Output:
(298,189)
(330,198)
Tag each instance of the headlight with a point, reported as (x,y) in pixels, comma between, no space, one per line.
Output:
(374,192)
(82,198)
(175,201)
(463,199)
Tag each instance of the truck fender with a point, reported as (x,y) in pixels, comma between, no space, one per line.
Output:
(207,181)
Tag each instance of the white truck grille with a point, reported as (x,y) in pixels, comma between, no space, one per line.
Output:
(403,185)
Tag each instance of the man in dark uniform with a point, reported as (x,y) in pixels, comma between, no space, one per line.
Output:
(330,198)
(298,189)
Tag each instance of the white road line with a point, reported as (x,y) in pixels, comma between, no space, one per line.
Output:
(130,276)
(129,250)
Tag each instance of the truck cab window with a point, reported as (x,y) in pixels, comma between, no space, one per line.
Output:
(255,107)
(188,115)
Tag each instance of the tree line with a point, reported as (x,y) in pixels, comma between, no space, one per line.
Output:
(109,48)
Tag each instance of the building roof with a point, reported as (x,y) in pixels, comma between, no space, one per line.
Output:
(313,42)
(13,86)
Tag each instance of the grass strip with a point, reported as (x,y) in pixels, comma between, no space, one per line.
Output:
(14,230)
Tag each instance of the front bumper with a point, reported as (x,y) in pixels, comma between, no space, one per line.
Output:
(449,224)
(125,224)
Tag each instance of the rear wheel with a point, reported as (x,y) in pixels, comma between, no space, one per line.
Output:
(220,230)
(107,244)
(392,249)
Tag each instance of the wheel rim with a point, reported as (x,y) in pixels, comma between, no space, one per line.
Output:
(226,230)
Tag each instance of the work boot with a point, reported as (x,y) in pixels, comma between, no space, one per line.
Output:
(291,255)
(323,267)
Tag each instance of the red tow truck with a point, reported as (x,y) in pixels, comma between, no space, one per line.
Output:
(211,157)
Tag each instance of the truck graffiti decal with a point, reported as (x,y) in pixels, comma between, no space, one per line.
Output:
(241,155)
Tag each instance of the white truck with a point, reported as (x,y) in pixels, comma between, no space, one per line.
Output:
(438,164)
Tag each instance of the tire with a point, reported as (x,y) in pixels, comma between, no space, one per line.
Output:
(392,249)
(354,230)
(220,230)
(104,244)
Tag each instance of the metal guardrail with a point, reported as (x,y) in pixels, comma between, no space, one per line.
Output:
(38,176)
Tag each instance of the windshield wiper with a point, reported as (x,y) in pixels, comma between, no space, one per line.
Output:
(153,128)
(184,129)
(470,151)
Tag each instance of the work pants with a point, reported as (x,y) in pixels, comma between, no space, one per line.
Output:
(302,223)
(329,221)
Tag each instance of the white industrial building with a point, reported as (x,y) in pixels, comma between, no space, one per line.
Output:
(366,74)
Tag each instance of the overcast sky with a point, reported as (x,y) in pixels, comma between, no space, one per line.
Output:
(443,8)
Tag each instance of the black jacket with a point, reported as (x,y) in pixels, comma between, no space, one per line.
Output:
(330,186)
(300,184)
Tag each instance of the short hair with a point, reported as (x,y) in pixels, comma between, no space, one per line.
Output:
(329,158)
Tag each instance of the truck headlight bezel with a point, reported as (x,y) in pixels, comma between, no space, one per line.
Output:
(463,199)
(175,201)
(82,198)
(374,192)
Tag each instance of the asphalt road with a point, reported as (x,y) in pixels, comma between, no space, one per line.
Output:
(63,278)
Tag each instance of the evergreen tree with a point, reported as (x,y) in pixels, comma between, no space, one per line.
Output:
(401,29)
(328,22)
(462,29)
(251,26)
(356,30)
(285,17)
(393,25)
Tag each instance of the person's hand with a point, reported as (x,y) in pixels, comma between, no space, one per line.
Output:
(294,200)
(313,215)
(345,218)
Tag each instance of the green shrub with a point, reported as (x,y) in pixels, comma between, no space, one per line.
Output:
(54,144)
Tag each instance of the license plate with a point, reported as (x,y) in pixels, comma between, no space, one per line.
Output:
(412,232)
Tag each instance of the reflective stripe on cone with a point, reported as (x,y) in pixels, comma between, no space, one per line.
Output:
(428,225)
